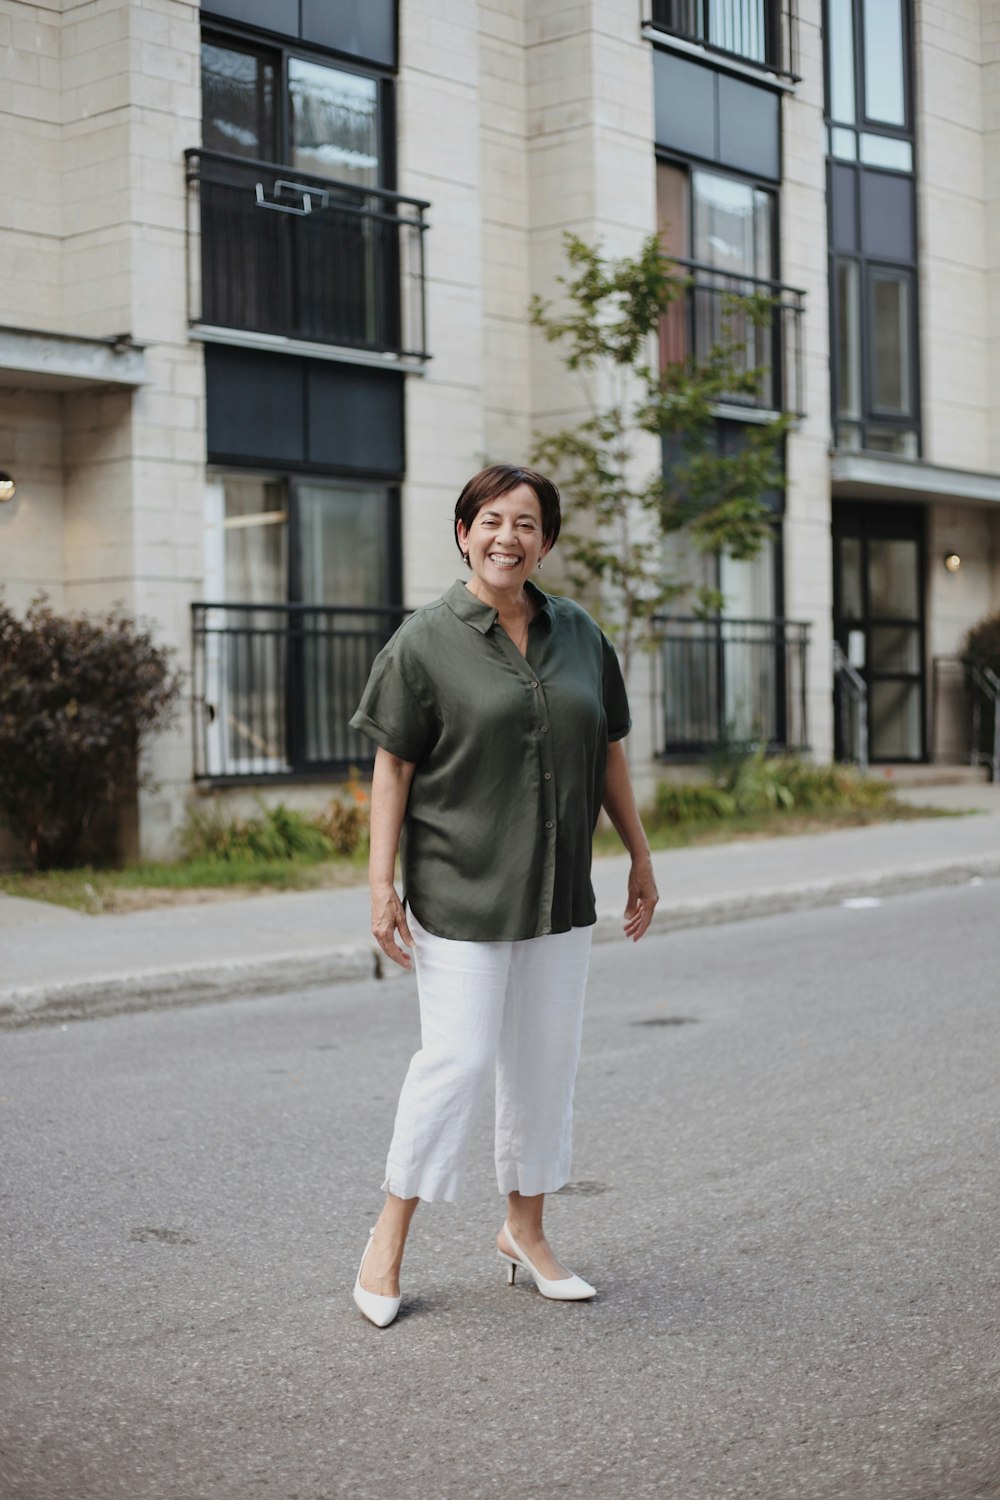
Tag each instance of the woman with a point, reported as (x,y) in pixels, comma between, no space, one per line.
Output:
(498,712)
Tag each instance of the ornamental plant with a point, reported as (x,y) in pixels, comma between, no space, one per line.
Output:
(79,696)
(617,517)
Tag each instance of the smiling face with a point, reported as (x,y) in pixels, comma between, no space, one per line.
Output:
(505,542)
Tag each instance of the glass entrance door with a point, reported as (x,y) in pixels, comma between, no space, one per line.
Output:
(879,620)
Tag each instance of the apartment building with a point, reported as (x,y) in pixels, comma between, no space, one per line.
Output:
(267,266)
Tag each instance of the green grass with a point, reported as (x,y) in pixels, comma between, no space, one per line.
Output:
(155,884)
(99,890)
(685,835)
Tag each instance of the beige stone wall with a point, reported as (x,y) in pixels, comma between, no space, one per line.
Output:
(439,159)
(31,525)
(808,546)
(990,54)
(958,412)
(101,98)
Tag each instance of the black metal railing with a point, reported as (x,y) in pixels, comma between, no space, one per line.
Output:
(762,33)
(275,251)
(274,685)
(721,682)
(761,320)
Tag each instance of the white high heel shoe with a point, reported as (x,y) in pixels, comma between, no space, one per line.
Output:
(377,1309)
(565,1289)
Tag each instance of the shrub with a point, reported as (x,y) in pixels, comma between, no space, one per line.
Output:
(345,821)
(694,803)
(275,833)
(982,644)
(752,783)
(279,832)
(78,696)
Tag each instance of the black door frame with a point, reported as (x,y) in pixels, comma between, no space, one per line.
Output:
(868,521)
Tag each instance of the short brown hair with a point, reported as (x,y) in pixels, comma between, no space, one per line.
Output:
(500,479)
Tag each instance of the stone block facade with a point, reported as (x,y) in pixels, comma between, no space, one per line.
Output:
(518,120)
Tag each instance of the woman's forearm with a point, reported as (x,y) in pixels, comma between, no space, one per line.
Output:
(391,780)
(620,804)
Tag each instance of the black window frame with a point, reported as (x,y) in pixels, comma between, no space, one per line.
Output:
(863,121)
(870,418)
(759,184)
(281,49)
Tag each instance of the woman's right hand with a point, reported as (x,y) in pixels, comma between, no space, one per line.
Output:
(388,918)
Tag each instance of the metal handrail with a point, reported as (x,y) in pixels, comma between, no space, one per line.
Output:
(986,680)
(228,158)
(764,282)
(850,681)
(772,346)
(723,679)
(331,263)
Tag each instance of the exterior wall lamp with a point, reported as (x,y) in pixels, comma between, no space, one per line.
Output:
(952,562)
(7,488)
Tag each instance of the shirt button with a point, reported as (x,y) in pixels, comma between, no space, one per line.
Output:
(534,684)
(549,823)
(548,776)
(545,729)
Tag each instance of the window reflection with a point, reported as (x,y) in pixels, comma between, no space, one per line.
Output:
(840,46)
(890,309)
(334,123)
(885,98)
(237,101)
(848,340)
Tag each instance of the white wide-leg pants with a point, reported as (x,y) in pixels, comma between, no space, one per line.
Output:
(518,1006)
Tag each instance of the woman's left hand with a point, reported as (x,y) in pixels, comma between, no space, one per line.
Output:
(642,898)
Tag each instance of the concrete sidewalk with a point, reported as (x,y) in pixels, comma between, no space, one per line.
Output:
(57,964)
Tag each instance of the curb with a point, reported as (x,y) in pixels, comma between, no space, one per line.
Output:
(232,979)
(809,895)
(183,984)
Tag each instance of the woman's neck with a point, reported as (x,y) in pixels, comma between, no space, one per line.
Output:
(507,606)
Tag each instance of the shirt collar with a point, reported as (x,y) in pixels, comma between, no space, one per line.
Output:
(482,617)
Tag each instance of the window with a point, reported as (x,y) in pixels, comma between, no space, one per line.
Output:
(238,100)
(304,577)
(273,105)
(725,226)
(872,227)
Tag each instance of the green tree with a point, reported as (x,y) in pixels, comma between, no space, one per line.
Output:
(618,519)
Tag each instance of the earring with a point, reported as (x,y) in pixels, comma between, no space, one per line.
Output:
(540,565)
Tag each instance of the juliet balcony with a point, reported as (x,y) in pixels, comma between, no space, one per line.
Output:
(278,257)
(760,317)
(755,34)
(722,682)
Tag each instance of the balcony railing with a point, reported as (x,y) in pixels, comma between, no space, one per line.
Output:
(274,686)
(721,682)
(761,33)
(279,252)
(710,312)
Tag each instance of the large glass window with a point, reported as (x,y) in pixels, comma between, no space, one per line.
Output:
(271,105)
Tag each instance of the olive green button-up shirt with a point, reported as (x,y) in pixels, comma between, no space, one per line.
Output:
(510,754)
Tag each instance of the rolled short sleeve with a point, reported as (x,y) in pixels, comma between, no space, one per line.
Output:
(616,709)
(392,711)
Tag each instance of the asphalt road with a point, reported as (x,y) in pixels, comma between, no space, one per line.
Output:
(785,1190)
